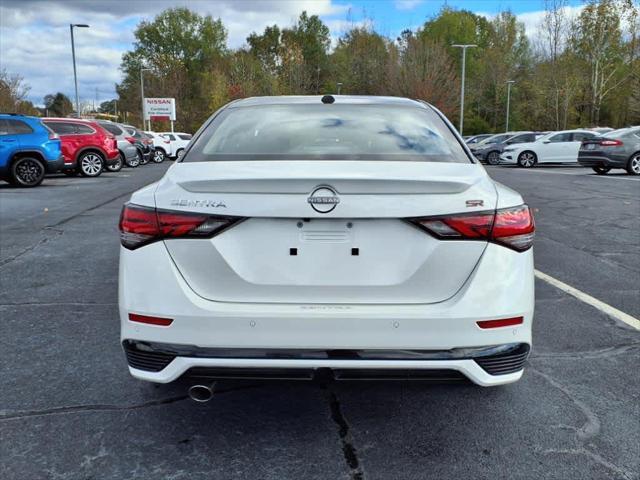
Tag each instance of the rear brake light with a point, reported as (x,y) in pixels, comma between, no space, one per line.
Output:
(163,322)
(130,140)
(512,227)
(611,143)
(504,322)
(142,225)
(166,141)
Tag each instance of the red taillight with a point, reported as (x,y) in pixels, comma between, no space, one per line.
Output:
(163,322)
(131,140)
(611,143)
(504,322)
(142,225)
(511,227)
(166,141)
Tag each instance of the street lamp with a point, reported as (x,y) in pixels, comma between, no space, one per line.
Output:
(464,61)
(509,83)
(142,94)
(73,54)
(339,87)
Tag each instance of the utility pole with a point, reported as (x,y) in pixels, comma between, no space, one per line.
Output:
(509,83)
(464,61)
(142,94)
(73,54)
(339,87)
(318,80)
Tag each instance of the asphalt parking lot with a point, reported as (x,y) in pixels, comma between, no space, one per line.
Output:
(70,410)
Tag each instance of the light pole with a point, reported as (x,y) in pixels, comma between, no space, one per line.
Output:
(509,83)
(339,87)
(142,94)
(464,62)
(73,54)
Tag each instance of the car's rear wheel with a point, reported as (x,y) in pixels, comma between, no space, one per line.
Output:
(633,166)
(90,164)
(527,159)
(116,166)
(132,162)
(601,170)
(27,172)
(159,155)
(493,158)
(179,154)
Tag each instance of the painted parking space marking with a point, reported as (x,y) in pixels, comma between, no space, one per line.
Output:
(588,299)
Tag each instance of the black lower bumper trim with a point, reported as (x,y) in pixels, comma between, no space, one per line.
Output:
(153,356)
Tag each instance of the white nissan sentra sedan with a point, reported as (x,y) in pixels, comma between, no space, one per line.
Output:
(348,236)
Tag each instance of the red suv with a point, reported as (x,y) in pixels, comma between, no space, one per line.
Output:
(86,147)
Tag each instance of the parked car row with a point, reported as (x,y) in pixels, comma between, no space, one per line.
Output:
(602,149)
(31,147)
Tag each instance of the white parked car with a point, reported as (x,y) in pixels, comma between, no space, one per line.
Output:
(162,147)
(352,236)
(178,141)
(554,147)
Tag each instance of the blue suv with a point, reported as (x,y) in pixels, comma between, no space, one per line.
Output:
(28,150)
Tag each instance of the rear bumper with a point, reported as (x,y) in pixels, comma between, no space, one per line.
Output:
(165,362)
(500,287)
(56,165)
(601,161)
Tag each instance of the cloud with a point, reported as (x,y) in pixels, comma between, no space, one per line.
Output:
(407,4)
(35,40)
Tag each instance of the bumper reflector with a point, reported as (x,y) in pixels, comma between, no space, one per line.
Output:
(163,322)
(504,322)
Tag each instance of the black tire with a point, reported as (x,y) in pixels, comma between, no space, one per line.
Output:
(90,164)
(141,158)
(527,159)
(179,153)
(131,162)
(159,155)
(115,167)
(601,170)
(27,172)
(493,158)
(633,165)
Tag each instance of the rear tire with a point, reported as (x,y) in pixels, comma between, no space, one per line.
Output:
(527,159)
(27,172)
(90,164)
(601,170)
(141,158)
(159,155)
(115,167)
(493,158)
(179,153)
(132,162)
(633,166)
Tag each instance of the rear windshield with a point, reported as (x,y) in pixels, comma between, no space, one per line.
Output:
(327,132)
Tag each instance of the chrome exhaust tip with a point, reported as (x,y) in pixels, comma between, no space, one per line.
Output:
(201,393)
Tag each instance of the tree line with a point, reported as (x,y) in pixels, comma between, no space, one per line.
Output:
(577,72)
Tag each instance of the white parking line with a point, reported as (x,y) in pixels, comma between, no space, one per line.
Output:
(588,299)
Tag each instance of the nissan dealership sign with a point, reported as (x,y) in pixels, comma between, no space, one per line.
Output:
(160,109)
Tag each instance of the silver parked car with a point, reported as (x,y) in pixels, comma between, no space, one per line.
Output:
(128,151)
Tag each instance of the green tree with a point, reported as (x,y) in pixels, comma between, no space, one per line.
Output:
(360,62)
(179,46)
(58,105)
(597,40)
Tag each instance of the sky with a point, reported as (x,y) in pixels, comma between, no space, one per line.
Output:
(35,41)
